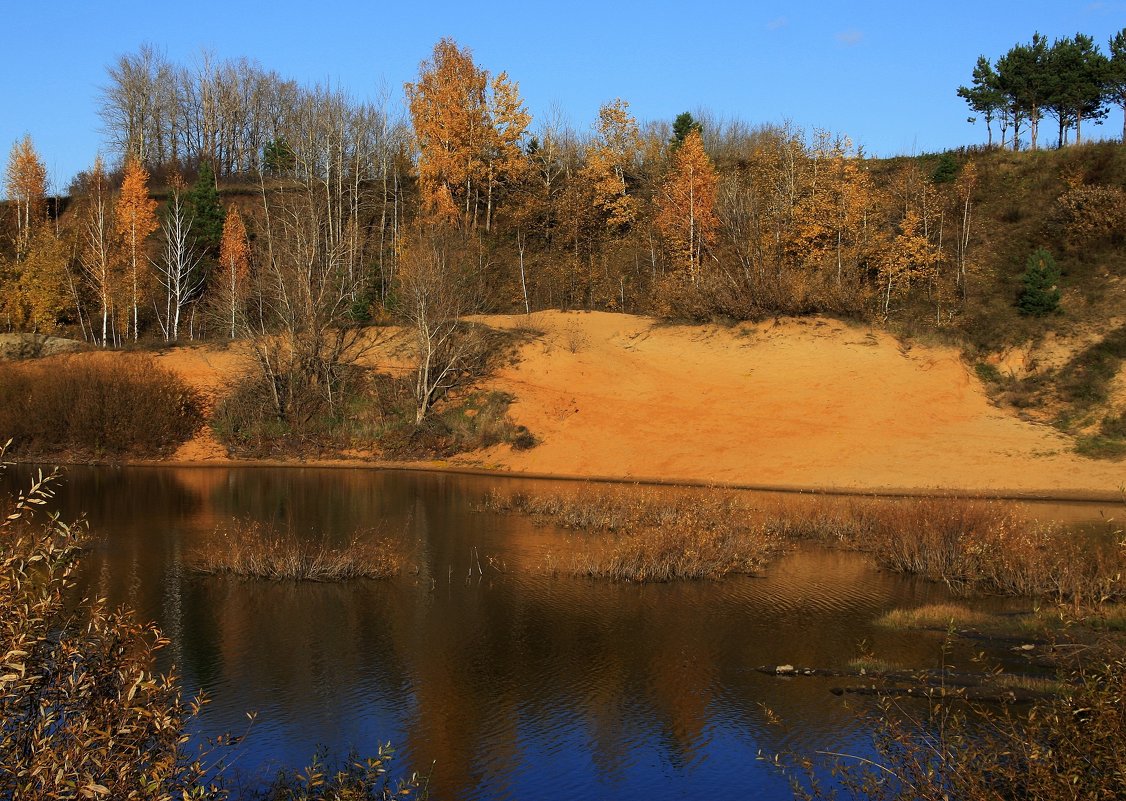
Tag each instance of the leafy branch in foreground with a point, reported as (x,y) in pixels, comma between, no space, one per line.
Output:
(84,714)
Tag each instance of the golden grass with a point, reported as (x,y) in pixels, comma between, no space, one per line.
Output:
(934,616)
(650,535)
(247,551)
(871,664)
(971,545)
(671,554)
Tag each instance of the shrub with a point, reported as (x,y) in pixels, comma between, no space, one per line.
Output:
(96,405)
(83,713)
(1039,294)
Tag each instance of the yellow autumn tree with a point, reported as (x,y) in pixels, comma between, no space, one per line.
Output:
(135,220)
(608,160)
(909,257)
(234,260)
(686,206)
(26,184)
(41,296)
(468,128)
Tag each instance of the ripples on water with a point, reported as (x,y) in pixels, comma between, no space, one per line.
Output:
(512,684)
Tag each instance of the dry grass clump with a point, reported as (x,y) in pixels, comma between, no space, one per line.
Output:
(677,552)
(933,616)
(95,405)
(985,545)
(248,551)
(971,545)
(651,535)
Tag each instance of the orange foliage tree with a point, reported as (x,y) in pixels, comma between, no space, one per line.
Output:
(686,205)
(468,127)
(135,221)
(909,256)
(608,160)
(27,187)
(234,260)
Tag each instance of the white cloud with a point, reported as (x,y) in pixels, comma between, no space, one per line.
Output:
(849,38)
(777,23)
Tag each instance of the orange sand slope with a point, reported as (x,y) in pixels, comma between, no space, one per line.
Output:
(806,403)
(796,403)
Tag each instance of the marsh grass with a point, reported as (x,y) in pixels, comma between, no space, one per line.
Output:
(872,664)
(971,545)
(672,553)
(649,535)
(246,550)
(940,617)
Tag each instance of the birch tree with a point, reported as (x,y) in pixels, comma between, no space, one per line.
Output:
(686,205)
(26,184)
(135,221)
(178,263)
(99,256)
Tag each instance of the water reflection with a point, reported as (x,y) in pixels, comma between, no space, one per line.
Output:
(510,684)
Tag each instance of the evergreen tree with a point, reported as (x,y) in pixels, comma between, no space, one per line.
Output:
(1080,73)
(985,96)
(1116,75)
(206,213)
(683,125)
(1039,294)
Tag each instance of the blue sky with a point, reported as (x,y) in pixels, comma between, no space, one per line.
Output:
(885,73)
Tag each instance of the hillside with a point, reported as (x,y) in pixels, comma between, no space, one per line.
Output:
(811,403)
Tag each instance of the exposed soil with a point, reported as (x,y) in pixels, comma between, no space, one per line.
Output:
(794,403)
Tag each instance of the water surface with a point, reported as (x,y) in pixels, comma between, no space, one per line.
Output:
(510,684)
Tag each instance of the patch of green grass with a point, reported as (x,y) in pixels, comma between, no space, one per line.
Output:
(871,664)
(1096,446)
(1108,617)
(988,373)
(1114,426)
(1086,378)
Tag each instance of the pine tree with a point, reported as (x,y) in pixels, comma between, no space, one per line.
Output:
(1116,75)
(206,213)
(683,125)
(1039,294)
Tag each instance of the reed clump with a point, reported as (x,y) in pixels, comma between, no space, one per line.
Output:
(652,536)
(933,616)
(975,545)
(246,550)
(972,545)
